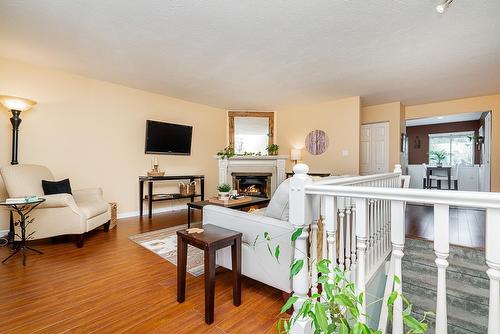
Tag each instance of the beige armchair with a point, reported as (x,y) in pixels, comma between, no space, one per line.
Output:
(60,214)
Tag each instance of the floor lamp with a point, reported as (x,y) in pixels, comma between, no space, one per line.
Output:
(16,105)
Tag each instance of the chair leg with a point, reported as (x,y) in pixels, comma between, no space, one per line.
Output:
(455,184)
(439,184)
(79,240)
(106,226)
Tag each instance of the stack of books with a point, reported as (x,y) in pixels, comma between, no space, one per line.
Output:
(22,200)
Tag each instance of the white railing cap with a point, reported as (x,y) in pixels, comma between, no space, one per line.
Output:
(471,199)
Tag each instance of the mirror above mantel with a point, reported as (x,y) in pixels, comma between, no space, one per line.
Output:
(250,131)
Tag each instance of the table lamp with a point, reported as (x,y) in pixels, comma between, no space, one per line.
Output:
(16,105)
(295,155)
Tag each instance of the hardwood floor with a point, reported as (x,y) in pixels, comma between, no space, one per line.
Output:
(467,226)
(113,285)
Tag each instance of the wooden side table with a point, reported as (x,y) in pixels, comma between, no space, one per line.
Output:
(210,240)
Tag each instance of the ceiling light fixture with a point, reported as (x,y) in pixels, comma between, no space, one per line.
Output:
(442,7)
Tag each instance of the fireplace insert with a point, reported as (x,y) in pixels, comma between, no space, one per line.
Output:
(252,184)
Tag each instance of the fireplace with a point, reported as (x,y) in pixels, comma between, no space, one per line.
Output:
(252,184)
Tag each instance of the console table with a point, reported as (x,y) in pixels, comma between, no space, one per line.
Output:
(150,197)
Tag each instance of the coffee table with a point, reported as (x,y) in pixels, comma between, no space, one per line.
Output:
(210,240)
(200,204)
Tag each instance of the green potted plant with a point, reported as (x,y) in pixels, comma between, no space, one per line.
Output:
(272,149)
(438,157)
(338,310)
(226,153)
(224,190)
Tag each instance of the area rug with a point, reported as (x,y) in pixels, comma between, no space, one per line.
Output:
(164,243)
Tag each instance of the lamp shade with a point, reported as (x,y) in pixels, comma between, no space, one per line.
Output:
(16,103)
(295,154)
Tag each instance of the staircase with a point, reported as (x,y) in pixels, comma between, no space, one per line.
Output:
(467,285)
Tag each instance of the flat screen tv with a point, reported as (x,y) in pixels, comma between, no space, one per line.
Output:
(168,138)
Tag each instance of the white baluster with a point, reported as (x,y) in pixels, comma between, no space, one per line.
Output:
(330,226)
(341,253)
(442,250)
(348,233)
(398,240)
(353,233)
(378,235)
(314,243)
(384,311)
(493,261)
(300,217)
(324,243)
(371,220)
(362,240)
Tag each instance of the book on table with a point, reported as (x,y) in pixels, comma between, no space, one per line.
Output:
(22,200)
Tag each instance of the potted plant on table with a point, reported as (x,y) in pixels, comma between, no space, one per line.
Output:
(224,190)
(272,149)
(438,157)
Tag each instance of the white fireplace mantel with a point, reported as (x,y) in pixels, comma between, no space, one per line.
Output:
(274,164)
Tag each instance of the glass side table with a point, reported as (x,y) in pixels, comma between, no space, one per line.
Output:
(22,209)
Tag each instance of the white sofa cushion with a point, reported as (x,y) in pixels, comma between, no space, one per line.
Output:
(278,206)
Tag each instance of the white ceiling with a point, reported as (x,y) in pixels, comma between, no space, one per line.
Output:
(471,116)
(265,54)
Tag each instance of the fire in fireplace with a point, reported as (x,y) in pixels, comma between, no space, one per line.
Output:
(252,184)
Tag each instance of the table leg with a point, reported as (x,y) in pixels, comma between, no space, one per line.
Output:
(141,197)
(16,250)
(449,178)
(202,188)
(428,179)
(150,199)
(181,269)
(236,268)
(189,217)
(209,284)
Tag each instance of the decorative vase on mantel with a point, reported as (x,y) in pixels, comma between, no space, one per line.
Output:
(439,164)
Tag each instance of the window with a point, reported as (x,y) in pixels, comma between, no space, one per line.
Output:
(458,146)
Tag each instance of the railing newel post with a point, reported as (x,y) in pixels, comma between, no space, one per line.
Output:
(300,207)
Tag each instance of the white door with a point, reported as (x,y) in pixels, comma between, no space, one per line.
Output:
(374,148)
(485,168)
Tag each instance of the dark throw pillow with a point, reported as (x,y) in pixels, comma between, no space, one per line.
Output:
(56,187)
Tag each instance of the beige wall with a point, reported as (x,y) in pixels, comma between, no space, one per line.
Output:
(392,113)
(93,131)
(473,104)
(340,119)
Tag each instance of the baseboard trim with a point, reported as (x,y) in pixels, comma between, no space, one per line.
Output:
(155,211)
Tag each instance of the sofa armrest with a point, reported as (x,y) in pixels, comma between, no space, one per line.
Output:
(88,194)
(248,224)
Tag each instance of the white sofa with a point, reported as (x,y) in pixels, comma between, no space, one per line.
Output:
(60,214)
(256,261)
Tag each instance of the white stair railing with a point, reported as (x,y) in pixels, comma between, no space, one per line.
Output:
(363,212)
(341,237)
